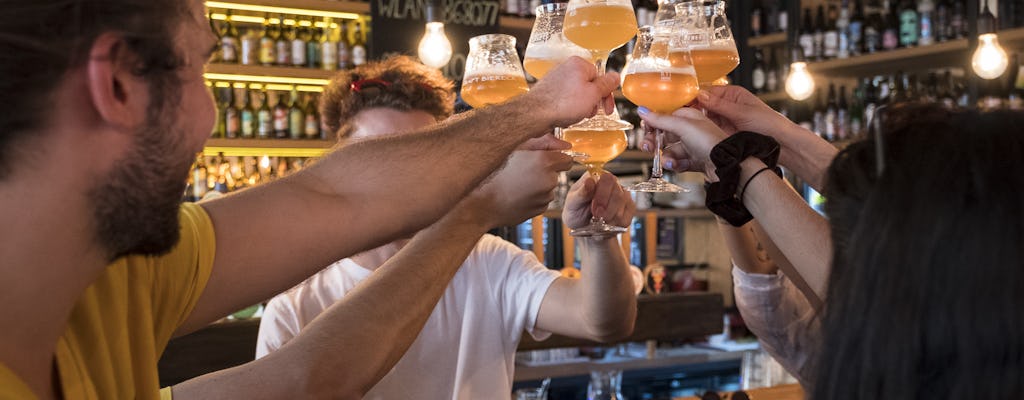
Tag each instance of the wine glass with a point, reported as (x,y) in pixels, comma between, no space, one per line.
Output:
(706,32)
(548,47)
(597,146)
(660,76)
(600,26)
(493,72)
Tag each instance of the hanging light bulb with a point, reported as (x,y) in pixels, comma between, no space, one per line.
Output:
(435,50)
(799,83)
(989,60)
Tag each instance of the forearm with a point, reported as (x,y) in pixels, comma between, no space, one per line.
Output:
(607,297)
(743,245)
(805,154)
(353,344)
(801,234)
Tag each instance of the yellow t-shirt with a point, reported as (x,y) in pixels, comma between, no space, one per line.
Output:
(122,323)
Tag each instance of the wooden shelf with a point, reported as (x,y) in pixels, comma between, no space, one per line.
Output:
(271,72)
(269,147)
(773,97)
(774,39)
(313,5)
(952,53)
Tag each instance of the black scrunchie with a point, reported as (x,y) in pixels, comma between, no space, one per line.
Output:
(727,155)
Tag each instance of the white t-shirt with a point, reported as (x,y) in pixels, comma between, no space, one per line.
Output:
(466,350)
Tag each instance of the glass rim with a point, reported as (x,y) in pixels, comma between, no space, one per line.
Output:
(550,8)
(492,37)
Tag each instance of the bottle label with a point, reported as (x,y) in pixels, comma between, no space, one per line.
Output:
(854,36)
(819,45)
(872,40)
(344,56)
(231,122)
(267,55)
(312,127)
(284,53)
(831,44)
(312,54)
(266,124)
(927,35)
(358,55)
(280,120)
(908,28)
(247,125)
(890,39)
(329,55)
(249,51)
(229,49)
(772,81)
(758,79)
(296,124)
(298,52)
(844,45)
(807,43)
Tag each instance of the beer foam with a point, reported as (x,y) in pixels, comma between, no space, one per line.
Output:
(608,4)
(642,69)
(509,72)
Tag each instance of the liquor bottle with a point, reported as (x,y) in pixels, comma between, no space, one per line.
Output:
(282,44)
(855,31)
(842,115)
(909,25)
(220,105)
(281,117)
(267,38)
(250,54)
(329,47)
(311,130)
(248,115)
(885,88)
(843,27)
(217,30)
(265,117)
(855,113)
(299,38)
(926,19)
(957,21)
(901,91)
(870,103)
(818,115)
(757,19)
(344,48)
(771,79)
(1007,13)
(296,119)
(758,75)
(232,115)
(1014,95)
(830,44)
(930,90)
(313,57)
(199,187)
(819,34)
(807,36)
(358,46)
(229,44)
(946,96)
(831,115)
(940,24)
(782,17)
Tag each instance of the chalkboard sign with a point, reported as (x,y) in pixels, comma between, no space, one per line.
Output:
(398,26)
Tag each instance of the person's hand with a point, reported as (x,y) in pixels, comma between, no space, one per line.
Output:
(572,91)
(697,135)
(603,198)
(523,188)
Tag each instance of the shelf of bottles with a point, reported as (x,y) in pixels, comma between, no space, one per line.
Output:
(219,174)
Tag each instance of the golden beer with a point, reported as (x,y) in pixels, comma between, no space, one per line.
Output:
(600,27)
(599,146)
(661,92)
(713,64)
(487,89)
(538,67)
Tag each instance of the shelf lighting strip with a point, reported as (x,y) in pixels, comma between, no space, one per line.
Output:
(304,84)
(270,86)
(273,21)
(280,10)
(260,152)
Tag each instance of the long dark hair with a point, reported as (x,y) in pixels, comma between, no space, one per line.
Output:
(926,294)
(40,41)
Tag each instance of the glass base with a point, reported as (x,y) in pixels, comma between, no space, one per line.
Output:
(656,185)
(597,228)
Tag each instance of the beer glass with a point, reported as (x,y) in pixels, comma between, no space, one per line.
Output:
(548,46)
(600,26)
(493,72)
(661,83)
(597,146)
(710,41)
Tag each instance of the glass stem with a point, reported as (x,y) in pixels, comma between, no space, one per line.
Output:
(601,62)
(596,174)
(659,137)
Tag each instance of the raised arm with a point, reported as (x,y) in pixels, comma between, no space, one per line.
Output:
(601,305)
(355,342)
(368,193)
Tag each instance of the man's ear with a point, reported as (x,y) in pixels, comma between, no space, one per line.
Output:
(119,96)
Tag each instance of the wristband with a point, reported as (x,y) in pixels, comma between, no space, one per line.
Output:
(727,155)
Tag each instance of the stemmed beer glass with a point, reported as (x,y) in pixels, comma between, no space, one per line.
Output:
(493,72)
(597,146)
(706,32)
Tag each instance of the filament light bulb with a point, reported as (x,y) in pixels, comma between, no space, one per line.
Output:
(435,50)
(799,83)
(989,60)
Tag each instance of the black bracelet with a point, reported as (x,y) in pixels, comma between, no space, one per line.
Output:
(751,179)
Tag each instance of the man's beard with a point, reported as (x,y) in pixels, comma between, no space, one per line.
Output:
(136,208)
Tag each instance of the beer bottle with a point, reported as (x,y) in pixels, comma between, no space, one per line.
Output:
(358,46)
(296,119)
(229,44)
(313,47)
(232,115)
(344,47)
(312,116)
(299,38)
(329,47)
(267,53)
(248,114)
(265,117)
(807,36)
(280,117)
(282,44)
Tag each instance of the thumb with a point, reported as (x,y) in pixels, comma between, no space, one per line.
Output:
(546,142)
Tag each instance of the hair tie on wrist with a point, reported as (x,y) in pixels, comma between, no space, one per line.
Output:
(776,170)
(727,155)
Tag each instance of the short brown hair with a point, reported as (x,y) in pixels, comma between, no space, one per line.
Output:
(398,82)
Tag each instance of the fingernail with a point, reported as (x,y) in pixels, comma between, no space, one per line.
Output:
(646,147)
(643,110)
(670,164)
